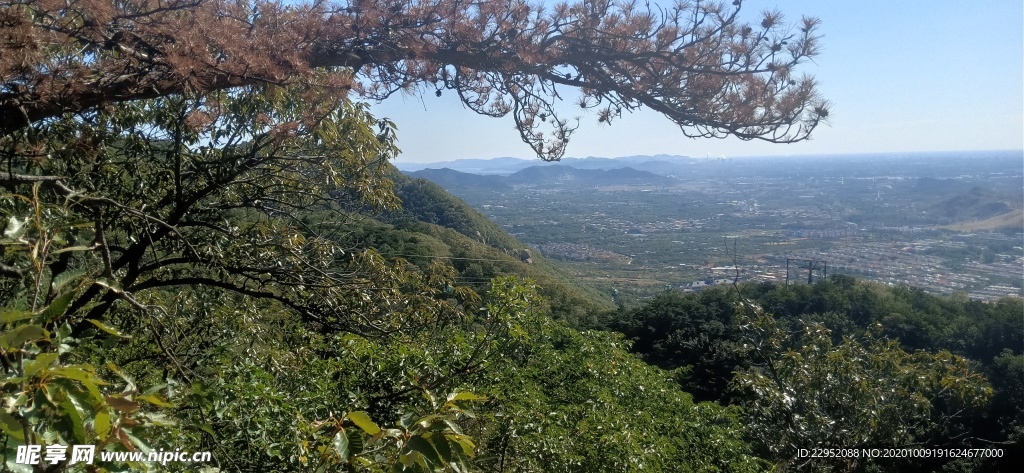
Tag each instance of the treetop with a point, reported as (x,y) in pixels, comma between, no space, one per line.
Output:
(694,62)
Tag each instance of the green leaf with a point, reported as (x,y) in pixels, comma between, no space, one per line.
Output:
(423,447)
(42,361)
(468,448)
(421,460)
(464,396)
(58,306)
(141,445)
(74,248)
(153,399)
(208,429)
(454,399)
(406,420)
(111,285)
(430,397)
(341,445)
(444,449)
(74,417)
(78,374)
(14,315)
(101,424)
(406,460)
(362,420)
(106,328)
(11,427)
(131,382)
(355,442)
(159,420)
(63,278)
(15,338)
(453,426)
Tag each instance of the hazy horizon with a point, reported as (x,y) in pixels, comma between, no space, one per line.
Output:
(947,153)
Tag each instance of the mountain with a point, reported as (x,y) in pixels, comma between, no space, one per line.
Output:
(666,168)
(434,226)
(542,175)
(548,174)
(506,165)
(503,166)
(977,204)
(450,178)
(670,159)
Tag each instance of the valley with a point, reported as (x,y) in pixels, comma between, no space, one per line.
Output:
(941,222)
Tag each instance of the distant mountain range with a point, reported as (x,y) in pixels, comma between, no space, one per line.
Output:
(562,173)
(933,167)
(659,164)
(450,178)
(540,175)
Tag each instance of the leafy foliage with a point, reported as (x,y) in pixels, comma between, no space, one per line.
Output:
(697,333)
(817,373)
(421,243)
(46,399)
(804,392)
(424,201)
(223,197)
(179,266)
(564,400)
(261,331)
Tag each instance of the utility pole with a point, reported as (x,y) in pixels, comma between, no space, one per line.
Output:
(812,265)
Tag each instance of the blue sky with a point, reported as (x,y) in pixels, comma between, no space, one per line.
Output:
(903,76)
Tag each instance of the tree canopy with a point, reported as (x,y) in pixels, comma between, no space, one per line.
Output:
(191,256)
(845,363)
(694,62)
(177,264)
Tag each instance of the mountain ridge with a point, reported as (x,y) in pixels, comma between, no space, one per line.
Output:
(508,165)
(539,175)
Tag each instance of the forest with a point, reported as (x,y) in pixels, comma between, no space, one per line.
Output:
(205,248)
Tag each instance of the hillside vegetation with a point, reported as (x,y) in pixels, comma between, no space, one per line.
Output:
(165,296)
(433,224)
(205,249)
(847,364)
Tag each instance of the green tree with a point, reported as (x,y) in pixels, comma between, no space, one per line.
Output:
(561,400)
(696,332)
(184,172)
(234,200)
(804,392)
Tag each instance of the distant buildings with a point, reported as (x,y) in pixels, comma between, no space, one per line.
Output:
(697,286)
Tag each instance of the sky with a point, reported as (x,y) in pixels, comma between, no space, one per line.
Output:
(903,76)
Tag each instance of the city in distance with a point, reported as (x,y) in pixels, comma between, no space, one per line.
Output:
(638,225)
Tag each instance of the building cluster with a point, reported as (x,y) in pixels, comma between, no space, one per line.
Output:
(822,234)
(906,263)
(697,286)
